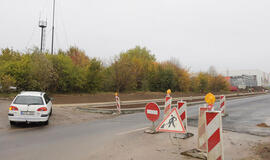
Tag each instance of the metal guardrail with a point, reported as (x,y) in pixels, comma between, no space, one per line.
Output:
(133,102)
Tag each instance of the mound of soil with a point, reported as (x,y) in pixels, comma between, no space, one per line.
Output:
(109,97)
(263,125)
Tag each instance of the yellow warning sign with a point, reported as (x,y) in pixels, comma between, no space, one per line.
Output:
(210,99)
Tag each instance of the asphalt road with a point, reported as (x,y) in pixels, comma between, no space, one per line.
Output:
(75,140)
(243,115)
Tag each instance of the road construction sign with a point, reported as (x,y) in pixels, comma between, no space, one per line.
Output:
(117,99)
(152,111)
(210,99)
(172,123)
(168,103)
(182,110)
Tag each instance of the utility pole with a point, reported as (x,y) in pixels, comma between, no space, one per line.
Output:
(53,26)
(42,25)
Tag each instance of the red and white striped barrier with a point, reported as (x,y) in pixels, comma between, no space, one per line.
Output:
(211,107)
(182,110)
(168,103)
(118,106)
(202,139)
(222,105)
(214,135)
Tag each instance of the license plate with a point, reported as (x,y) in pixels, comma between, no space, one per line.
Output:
(27,113)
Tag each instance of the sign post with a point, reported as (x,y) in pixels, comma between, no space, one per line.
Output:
(118,106)
(201,151)
(202,139)
(168,103)
(206,142)
(214,135)
(152,113)
(223,105)
(182,110)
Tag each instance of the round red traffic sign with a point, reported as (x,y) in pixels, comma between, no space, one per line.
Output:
(152,111)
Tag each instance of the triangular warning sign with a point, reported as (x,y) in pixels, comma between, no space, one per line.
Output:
(172,123)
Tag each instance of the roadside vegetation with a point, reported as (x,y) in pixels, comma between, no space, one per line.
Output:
(72,71)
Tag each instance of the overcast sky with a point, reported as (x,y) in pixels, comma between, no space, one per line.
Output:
(228,34)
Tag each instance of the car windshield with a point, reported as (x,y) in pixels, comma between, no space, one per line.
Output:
(29,100)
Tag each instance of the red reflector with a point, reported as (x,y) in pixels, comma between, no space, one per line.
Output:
(13,108)
(42,109)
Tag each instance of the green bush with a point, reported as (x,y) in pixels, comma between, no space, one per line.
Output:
(73,71)
(6,82)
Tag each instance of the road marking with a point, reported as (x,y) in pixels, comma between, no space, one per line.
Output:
(135,130)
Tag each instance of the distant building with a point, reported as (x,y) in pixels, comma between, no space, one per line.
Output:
(243,81)
(248,78)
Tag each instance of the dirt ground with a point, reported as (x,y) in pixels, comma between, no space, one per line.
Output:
(163,146)
(263,150)
(109,97)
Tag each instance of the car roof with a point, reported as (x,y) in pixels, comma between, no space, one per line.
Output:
(32,93)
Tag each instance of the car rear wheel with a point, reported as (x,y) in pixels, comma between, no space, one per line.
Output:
(46,122)
(12,123)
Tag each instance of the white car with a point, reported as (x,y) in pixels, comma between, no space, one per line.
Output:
(29,106)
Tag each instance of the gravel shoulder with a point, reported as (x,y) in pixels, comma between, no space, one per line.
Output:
(140,145)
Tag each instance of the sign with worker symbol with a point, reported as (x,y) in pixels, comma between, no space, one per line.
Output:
(172,123)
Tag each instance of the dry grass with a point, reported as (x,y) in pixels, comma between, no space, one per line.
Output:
(263,125)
